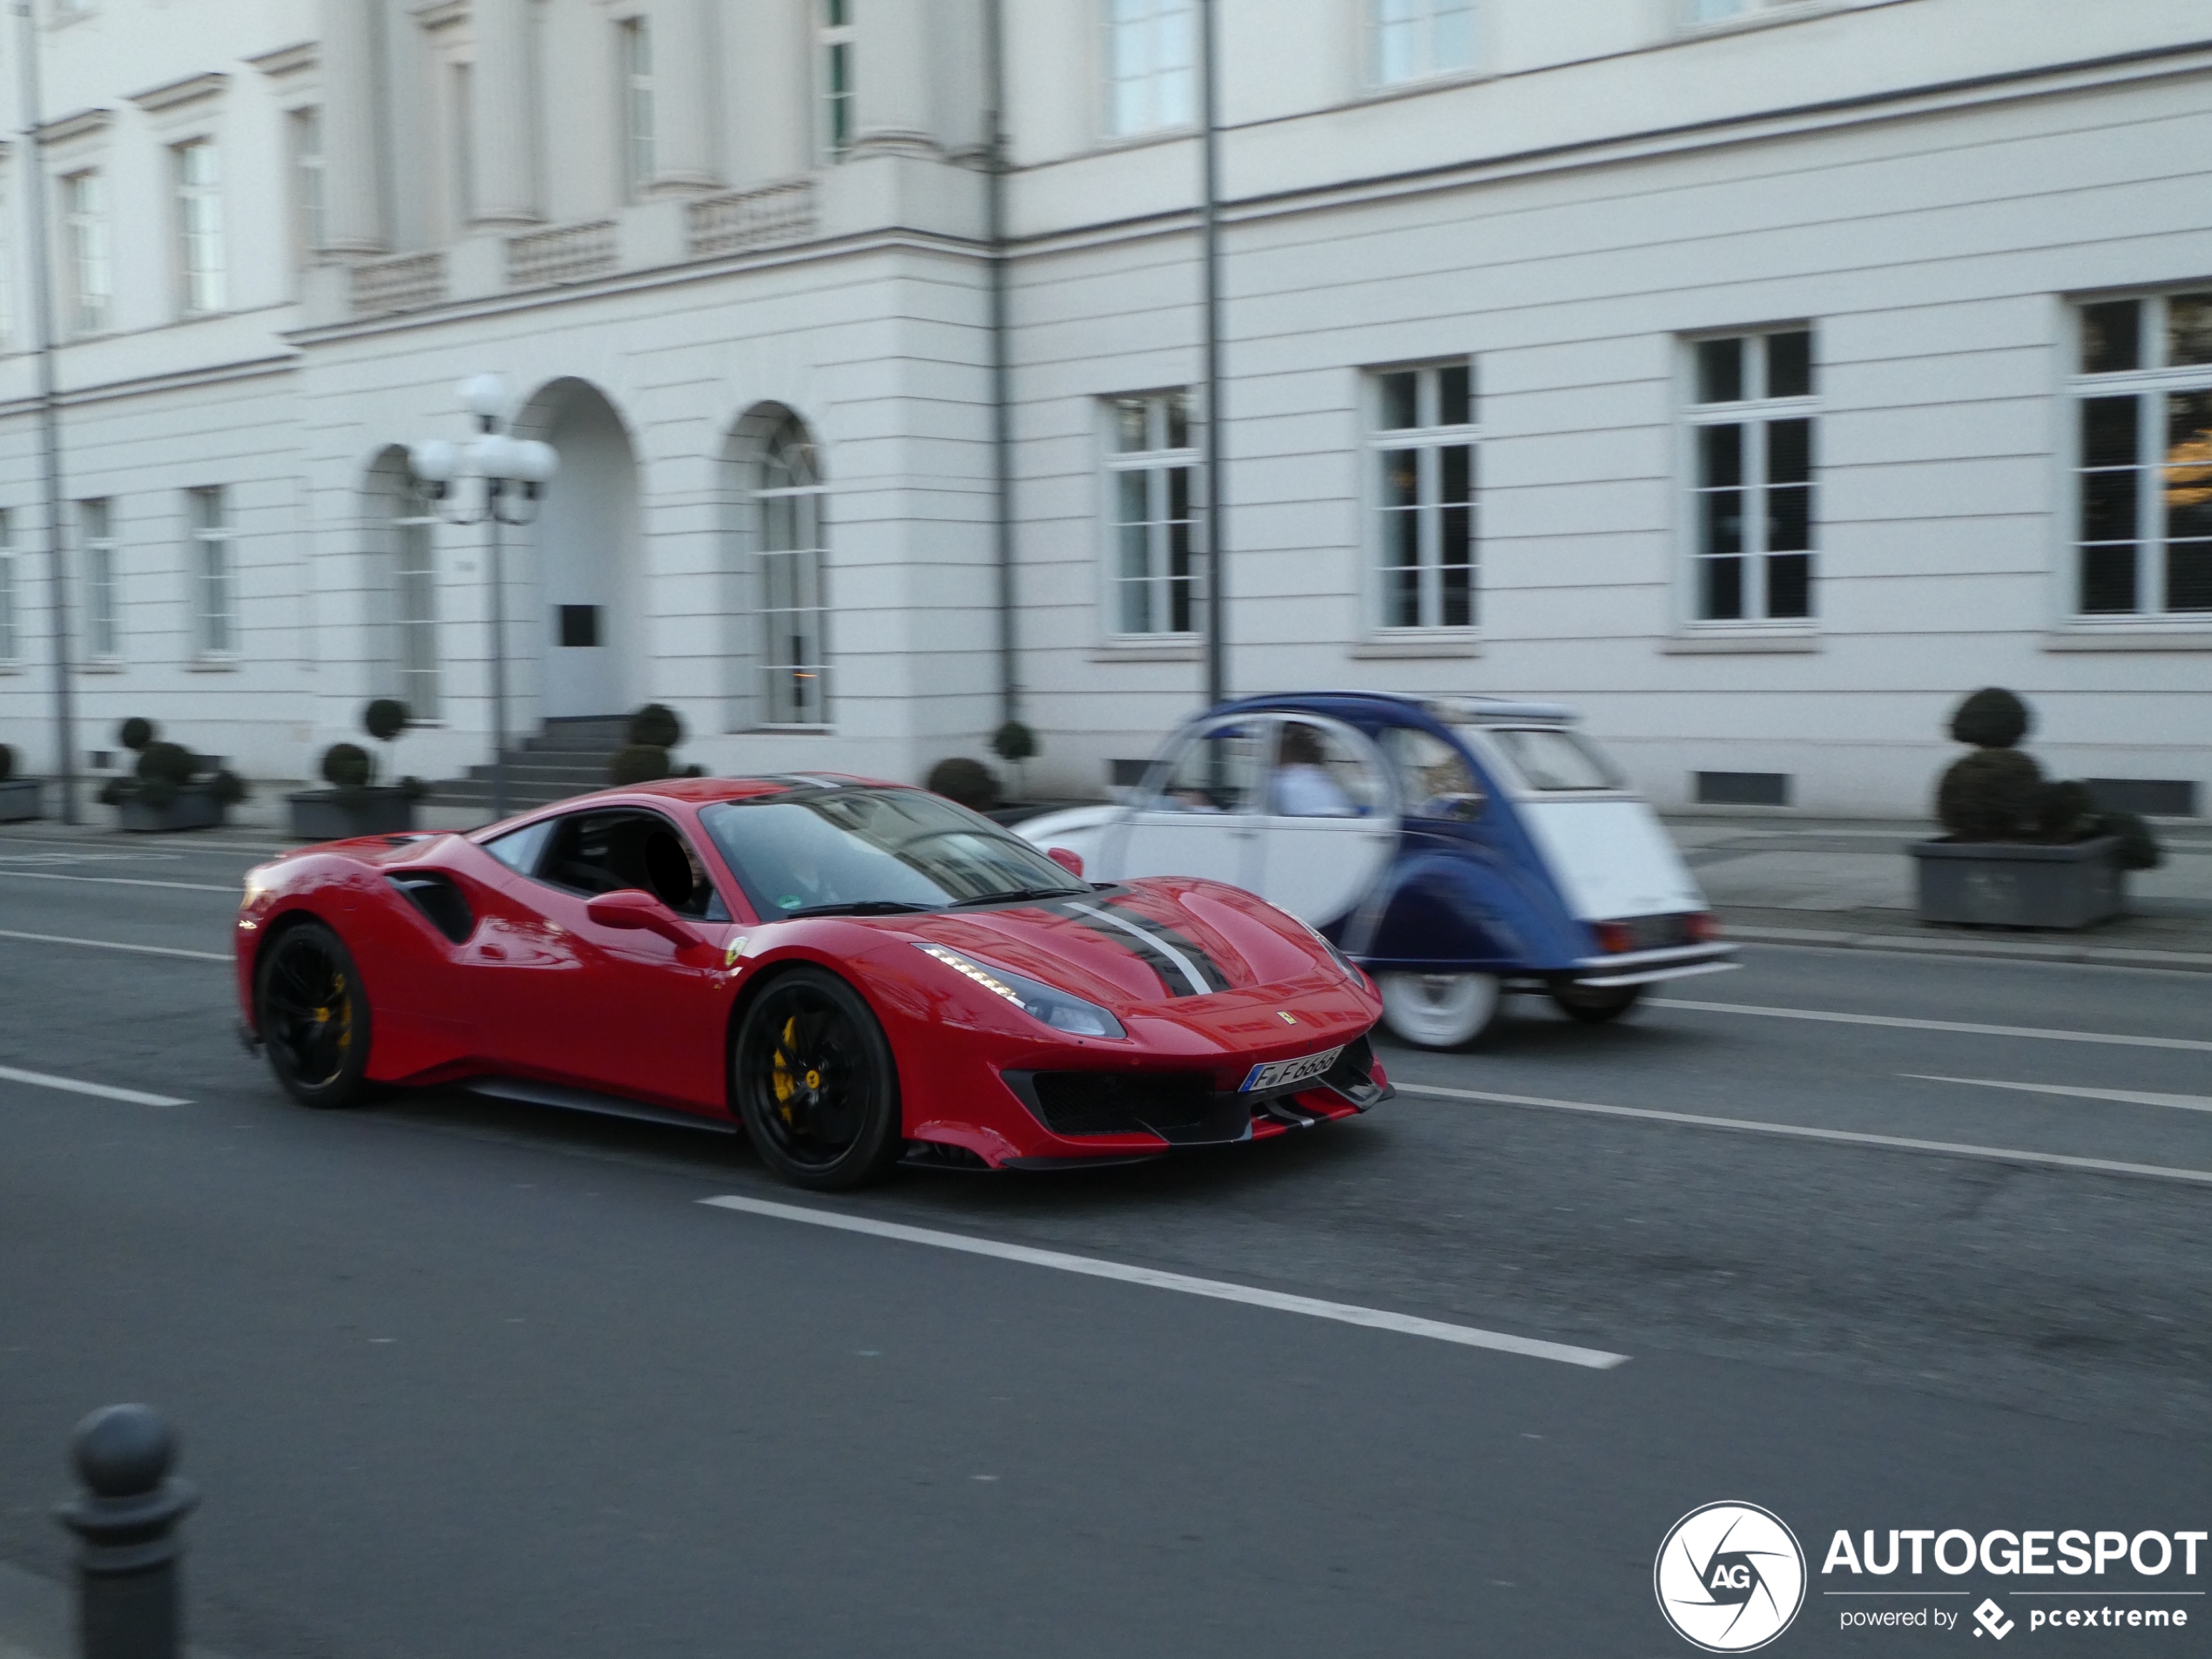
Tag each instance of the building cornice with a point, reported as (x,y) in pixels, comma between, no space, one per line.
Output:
(174,94)
(181,380)
(289,60)
(83,124)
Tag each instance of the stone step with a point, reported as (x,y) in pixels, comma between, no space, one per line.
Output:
(589,774)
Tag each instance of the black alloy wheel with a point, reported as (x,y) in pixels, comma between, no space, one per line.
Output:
(313,1017)
(1597,1004)
(815,1082)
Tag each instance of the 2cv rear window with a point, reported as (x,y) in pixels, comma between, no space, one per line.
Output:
(1549,758)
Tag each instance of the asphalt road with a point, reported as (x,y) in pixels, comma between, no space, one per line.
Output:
(461,1378)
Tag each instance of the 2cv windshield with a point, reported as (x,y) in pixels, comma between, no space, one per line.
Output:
(857,851)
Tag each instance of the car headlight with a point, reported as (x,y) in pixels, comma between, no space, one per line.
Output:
(1054,1007)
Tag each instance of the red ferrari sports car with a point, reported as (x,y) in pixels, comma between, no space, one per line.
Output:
(854,972)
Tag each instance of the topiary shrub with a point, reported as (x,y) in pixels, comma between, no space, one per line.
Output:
(968,782)
(227,787)
(414,788)
(1014,742)
(384,719)
(1992,718)
(7,763)
(656,726)
(640,763)
(347,765)
(1991,795)
(1997,794)
(163,768)
(134,733)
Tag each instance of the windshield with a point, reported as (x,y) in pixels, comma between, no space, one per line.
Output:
(881,848)
(1548,758)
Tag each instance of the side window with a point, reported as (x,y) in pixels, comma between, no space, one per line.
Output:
(1434,776)
(520,850)
(595,852)
(1214,772)
(1319,773)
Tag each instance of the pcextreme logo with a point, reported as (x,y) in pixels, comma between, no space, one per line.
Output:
(1729,1577)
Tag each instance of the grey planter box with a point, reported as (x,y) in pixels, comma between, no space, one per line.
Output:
(21,798)
(1999,884)
(195,807)
(326,815)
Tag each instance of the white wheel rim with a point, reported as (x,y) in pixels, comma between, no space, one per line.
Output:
(1438,1010)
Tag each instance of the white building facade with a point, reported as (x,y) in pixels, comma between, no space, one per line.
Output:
(1759,377)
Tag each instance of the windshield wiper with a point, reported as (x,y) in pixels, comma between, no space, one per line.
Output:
(861,907)
(1017,896)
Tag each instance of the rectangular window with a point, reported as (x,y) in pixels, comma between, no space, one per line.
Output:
(1751,433)
(1427,479)
(415,589)
(10,605)
(96,541)
(794,671)
(1412,40)
(200,227)
(835,39)
(214,617)
(310,211)
(461,95)
(85,241)
(1150,472)
(637,42)
(1151,55)
(2143,421)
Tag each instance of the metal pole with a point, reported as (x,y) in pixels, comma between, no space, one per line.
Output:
(492,487)
(1002,376)
(1210,227)
(49,421)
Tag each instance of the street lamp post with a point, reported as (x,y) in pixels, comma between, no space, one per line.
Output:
(515,472)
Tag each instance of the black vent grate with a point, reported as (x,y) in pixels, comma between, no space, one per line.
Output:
(1121,1102)
(439,900)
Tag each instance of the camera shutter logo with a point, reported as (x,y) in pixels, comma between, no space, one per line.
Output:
(1729,1577)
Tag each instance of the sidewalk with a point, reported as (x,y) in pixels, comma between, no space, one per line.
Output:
(1774,880)
(1848,882)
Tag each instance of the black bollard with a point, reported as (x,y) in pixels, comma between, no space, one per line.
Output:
(126,1519)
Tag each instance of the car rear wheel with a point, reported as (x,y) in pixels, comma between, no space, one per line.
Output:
(1438,1010)
(815,1082)
(313,1017)
(1597,1004)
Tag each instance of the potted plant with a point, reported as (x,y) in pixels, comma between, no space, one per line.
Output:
(654,730)
(2021,852)
(968,782)
(1014,742)
(355,804)
(170,788)
(20,798)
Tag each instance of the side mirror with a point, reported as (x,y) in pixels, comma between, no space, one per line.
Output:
(1072,862)
(634,910)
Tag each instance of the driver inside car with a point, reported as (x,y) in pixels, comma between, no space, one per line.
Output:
(1303,785)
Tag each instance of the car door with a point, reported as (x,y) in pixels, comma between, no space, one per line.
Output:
(1198,812)
(627,1011)
(1329,821)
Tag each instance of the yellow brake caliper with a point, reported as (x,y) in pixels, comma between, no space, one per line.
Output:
(786,1087)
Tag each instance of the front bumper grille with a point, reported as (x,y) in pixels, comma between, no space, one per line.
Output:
(1181,1107)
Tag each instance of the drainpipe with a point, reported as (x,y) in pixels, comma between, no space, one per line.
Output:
(1210,237)
(995,167)
(50,427)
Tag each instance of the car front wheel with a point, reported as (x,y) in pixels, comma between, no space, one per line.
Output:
(815,1082)
(313,1016)
(1438,1010)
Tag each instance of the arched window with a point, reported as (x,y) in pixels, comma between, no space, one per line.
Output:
(794,655)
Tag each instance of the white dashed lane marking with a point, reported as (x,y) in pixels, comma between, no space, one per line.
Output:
(2124,1096)
(1342,1312)
(2195,1044)
(112,944)
(233,890)
(1805,1132)
(74,1086)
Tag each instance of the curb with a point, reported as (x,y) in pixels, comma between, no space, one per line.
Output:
(2094,955)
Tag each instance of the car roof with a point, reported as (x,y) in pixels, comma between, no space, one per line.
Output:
(1481,710)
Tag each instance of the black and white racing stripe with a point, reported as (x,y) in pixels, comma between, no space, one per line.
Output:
(1184,968)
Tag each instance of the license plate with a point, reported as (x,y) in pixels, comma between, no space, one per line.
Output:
(1281,1074)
